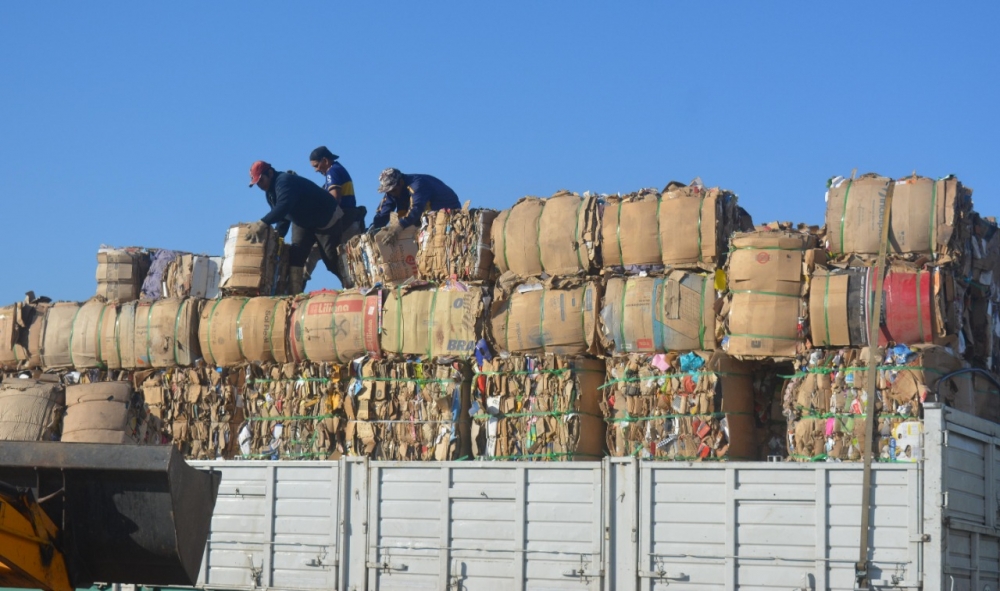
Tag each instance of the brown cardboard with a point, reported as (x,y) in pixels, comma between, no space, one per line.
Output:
(118,339)
(631,230)
(252,267)
(264,330)
(30,410)
(365,261)
(766,282)
(84,335)
(828,310)
(56,332)
(120,273)
(332,326)
(431,320)
(924,214)
(218,331)
(658,314)
(456,244)
(559,235)
(166,332)
(97,413)
(11,326)
(559,317)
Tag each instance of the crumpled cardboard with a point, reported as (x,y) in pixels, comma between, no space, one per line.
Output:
(293,411)
(335,326)
(923,220)
(825,401)
(121,271)
(183,275)
(456,244)
(21,333)
(251,267)
(544,408)
(31,410)
(408,410)
(659,314)
(768,274)
(693,406)
(560,235)
(432,320)
(558,315)
(684,227)
(365,262)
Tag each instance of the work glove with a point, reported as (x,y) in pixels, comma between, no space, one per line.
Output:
(389,234)
(256,232)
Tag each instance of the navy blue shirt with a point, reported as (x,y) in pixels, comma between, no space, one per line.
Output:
(295,199)
(337,176)
(423,193)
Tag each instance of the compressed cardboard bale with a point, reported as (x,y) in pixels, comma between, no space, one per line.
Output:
(409,410)
(251,267)
(560,235)
(335,326)
(21,333)
(659,314)
(219,331)
(57,329)
(166,332)
(86,333)
(182,275)
(121,272)
(684,227)
(30,410)
(200,408)
(693,406)
(294,412)
(264,330)
(920,305)
(767,274)
(456,244)
(924,217)
(107,412)
(544,408)
(433,320)
(366,262)
(826,400)
(558,316)
(117,336)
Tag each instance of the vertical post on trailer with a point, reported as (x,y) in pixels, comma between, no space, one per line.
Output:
(861,569)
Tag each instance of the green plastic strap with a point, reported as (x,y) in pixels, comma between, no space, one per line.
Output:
(208,331)
(72,329)
(399,317)
(333,325)
(270,329)
(706,415)
(679,374)
(100,325)
(621,320)
(843,215)
(920,314)
(701,315)
(826,311)
(411,380)
(538,237)
(505,261)
(621,253)
(829,370)
(302,330)
(506,322)
(239,328)
(177,325)
(660,310)
(285,380)
(560,371)
(933,228)
(118,335)
(149,328)
(659,236)
(848,415)
(541,323)
(430,323)
(583,312)
(767,293)
(576,236)
(763,336)
(541,413)
(547,456)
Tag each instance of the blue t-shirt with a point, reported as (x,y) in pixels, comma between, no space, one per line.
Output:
(337,176)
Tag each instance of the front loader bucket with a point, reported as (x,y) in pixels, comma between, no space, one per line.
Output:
(127,513)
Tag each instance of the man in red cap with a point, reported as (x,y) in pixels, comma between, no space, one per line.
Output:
(311,212)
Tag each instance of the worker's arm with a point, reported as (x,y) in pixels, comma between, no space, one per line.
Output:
(385,208)
(282,228)
(284,199)
(419,198)
(335,191)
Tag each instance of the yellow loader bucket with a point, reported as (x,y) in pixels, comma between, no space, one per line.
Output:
(125,513)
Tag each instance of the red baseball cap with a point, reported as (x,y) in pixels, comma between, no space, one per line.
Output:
(257,169)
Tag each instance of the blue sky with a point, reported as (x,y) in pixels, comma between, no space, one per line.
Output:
(135,123)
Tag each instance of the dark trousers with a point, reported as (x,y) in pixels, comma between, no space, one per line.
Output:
(328,240)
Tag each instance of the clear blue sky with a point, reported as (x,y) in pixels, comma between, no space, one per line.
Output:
(134,123)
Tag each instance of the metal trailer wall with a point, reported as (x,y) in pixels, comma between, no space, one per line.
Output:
(619,524)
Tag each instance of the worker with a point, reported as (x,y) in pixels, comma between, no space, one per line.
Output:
(311,212)
(409,195)
(339,184)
